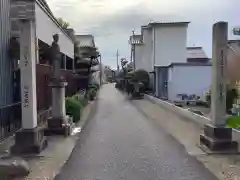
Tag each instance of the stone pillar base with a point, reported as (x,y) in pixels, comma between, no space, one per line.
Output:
(218,139)
(29,141)
(59,126)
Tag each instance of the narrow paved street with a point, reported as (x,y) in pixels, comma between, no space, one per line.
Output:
(119,143)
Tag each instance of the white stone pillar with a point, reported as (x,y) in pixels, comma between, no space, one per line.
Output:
(219,63)
(30,138)
(28,74)
(58,103)
(217,137)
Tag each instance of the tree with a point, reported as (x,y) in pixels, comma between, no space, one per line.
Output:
(231,95)
(63,23)
(142,76)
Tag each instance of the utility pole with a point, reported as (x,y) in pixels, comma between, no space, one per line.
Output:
(133,50)
(100,59)
(117,61)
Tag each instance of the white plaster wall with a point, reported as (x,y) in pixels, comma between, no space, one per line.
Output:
(147,49)
(189,80)
(170,45)
(46,28)
(139,64)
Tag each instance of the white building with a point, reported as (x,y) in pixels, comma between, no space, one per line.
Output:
(161,49)
(192,77)
(85,40)
(159,45)
(186,78)
(46,26)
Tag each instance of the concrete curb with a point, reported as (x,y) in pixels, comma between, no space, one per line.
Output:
(184,113)
(87,113)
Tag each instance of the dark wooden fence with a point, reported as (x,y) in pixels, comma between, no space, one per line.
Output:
(10,115)
(43,78)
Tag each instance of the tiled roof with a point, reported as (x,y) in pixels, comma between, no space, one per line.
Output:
(196,53)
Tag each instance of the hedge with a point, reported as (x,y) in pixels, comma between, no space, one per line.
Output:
(76,103)
(74,106)
(83,101)
(234,122)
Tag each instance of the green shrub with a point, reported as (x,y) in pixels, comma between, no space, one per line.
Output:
(73,108)
(95,86)
(83,101)
(234,122)
(230,97)
(141,76)
(91,93)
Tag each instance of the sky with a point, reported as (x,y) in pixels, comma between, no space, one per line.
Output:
(112,21)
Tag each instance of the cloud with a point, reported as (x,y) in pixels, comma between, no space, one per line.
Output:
(111,21)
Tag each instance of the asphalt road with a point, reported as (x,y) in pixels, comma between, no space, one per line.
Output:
(119,143)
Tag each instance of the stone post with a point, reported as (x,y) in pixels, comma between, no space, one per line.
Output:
(30,139)
(217,137)
(59,123)
(218,89)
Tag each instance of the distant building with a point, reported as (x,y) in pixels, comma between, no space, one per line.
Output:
(185,78)
(159,45)
(85,40)
(109,74)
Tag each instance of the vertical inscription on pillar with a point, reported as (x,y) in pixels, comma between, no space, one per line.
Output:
(26,97)
(26,88)
(222,64)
